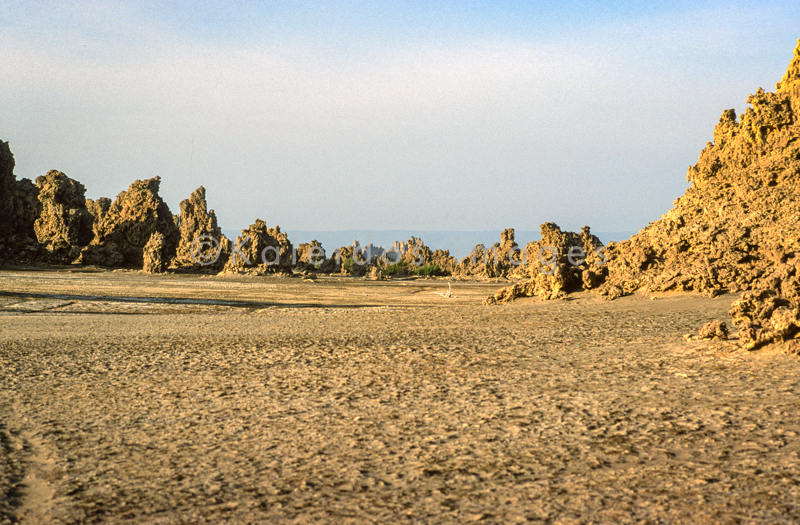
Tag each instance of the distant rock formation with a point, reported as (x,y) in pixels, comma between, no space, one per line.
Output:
(557,264)
(501,260)
(260,250)
(355,259)
(202,243)
(417,255)
(64,224)
(342,260)
(127,226)
(741,216)
(401,259)
(311,255)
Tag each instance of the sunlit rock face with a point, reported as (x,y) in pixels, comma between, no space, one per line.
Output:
(131,220)
(740,219)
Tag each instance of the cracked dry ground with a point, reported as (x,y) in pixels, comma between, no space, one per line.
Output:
(423,410)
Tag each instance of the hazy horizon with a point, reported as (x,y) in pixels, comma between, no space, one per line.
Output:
(460,243)
(418,116)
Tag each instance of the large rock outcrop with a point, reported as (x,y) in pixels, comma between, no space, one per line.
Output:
(741,216)
(127,226)
(202,243)
(260,251)
(64,224)
(19,206)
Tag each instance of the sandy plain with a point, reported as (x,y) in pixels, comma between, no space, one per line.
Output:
(132,398)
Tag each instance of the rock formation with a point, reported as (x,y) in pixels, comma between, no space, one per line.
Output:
(376,274)
(342,259)
(770,313)
(557,264)
(714,330)
(497,261)
(416,255)
(153,254)
(311,256)
(64,224)
(201,243)
(19,208)
(353,259)
(260,250)
(402,258)
(98,209)
(740,217)
(127,226)
(356,259)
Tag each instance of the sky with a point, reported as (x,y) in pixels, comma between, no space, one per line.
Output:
(398,115)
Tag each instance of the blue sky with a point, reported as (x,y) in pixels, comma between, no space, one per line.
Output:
(386,115)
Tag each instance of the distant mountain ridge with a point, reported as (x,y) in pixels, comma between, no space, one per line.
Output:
(460,243)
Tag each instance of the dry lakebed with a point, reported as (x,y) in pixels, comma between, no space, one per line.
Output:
(161,399)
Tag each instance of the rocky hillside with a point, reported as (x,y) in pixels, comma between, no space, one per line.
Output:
(740,218)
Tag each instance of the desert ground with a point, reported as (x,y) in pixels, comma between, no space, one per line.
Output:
(160,399)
